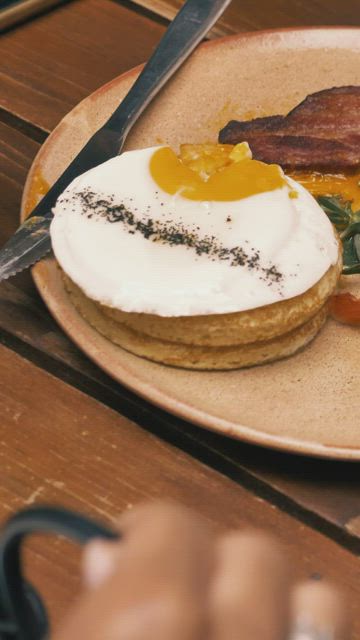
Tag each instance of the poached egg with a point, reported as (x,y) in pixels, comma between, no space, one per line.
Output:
(143,232)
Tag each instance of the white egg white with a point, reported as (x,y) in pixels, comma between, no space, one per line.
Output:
(116,265)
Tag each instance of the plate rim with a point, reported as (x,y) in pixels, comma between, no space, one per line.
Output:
(126,378)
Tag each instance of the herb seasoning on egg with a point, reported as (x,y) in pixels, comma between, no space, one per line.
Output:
(175,234)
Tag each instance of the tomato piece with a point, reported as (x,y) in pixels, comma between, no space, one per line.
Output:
(345,308)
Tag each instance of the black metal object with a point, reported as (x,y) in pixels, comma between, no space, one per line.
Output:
(22,613)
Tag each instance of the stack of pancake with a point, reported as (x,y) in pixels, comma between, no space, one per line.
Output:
(199,272)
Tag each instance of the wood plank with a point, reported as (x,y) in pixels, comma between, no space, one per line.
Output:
(58,445)
(79,46)
(16,154)
(249,16)
(324,493)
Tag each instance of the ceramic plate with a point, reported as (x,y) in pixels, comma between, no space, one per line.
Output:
(308,403)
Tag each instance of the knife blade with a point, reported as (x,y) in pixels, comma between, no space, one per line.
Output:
(31,241)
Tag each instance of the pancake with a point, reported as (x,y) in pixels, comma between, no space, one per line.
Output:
(219,330)
(209,356)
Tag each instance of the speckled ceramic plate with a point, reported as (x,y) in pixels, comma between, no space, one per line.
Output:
(307,403)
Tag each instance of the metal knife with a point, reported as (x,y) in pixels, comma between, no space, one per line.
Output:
(32,241)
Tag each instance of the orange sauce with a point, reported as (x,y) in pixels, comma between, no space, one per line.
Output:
(345,308)
(38,188)
(328,184)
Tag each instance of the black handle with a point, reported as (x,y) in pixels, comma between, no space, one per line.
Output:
(22,614)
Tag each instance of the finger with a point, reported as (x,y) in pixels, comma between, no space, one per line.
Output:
(99,561)
(172,543)
(319,612)
(151,530)
(249,593)
(152,584)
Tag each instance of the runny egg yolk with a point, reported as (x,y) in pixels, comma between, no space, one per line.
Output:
(239,179)
(339,184)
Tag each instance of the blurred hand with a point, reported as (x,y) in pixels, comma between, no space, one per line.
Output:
(172,578)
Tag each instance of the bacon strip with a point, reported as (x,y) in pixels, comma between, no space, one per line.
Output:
(322,132)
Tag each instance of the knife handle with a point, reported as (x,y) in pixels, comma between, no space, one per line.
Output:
(187,29)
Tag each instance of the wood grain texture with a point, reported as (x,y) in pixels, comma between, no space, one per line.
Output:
(60,446)
(51,63)
(17,152)
(248,16)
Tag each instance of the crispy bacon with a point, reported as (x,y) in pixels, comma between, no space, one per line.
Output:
(322,132)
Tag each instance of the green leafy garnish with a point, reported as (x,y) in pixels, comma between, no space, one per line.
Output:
(338,210)
(347,222)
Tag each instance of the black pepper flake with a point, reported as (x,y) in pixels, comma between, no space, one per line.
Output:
(273,274)
(177,235)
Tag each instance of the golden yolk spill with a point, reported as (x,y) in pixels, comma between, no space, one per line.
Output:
(326,184)
(234,181)
(39,187)
(208,158)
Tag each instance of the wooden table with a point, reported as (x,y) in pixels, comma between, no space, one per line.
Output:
(70,435)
